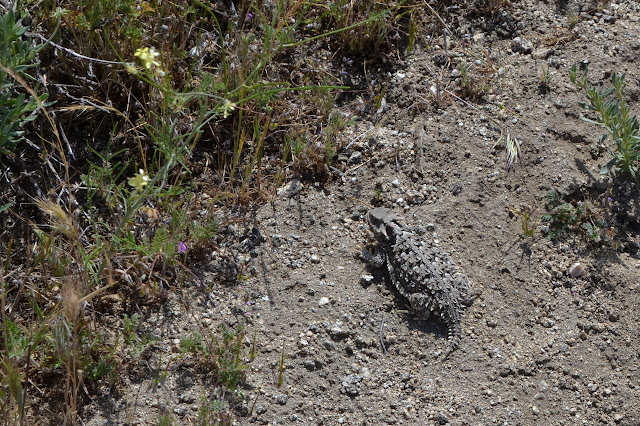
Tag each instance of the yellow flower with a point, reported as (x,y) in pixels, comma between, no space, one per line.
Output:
(227,107)
(131,68)
(139,181)
(147,56)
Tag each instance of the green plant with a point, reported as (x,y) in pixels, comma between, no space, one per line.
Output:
(166,420)
(545,77)
(528,219)
(583,217)
(573,19)
(17,53)
(193,344)
(474,84)
(221,354)
(222,351)
(562,215)
(614,114)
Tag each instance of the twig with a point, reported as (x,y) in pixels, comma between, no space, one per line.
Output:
(384,348)
(360,136)
(74,53)
(439,18)
(63,134)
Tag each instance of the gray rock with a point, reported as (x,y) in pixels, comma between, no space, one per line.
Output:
(355,157)
(521,45)
(351,385)
(281,399)
(441,418)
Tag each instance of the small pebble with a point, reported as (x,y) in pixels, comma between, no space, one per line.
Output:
(577,270)
(351,385)
(366,279)
(323,301)
(281,399)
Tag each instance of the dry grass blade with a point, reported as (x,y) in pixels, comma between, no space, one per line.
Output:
(61,221)
(513,152)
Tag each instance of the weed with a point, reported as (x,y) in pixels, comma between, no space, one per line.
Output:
(573,19)
(514,152)
(252,353)
(528,219)
(222,352)
(166,420)
(614,115)
(193,344)
(545,77)
(16,58)
(582,217)
(562,215)
(471,84)
(214,412)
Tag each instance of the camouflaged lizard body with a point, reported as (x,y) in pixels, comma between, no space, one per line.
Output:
(421,271)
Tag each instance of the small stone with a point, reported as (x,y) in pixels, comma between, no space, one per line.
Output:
(366,279)
(395,183)
(323,301)
(291,189)
(391,339)
(577,270)
(314,259)
(281,399)
(351,385)
(187,398)
(355,157)
(522,45)
(441,418)
(329,345)
(618,418)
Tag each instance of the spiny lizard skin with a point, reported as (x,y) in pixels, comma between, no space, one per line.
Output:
(421,271)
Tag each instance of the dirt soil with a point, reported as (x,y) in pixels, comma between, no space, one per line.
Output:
(540,346)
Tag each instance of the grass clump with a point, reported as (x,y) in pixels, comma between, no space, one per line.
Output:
(613,113)
(222,355)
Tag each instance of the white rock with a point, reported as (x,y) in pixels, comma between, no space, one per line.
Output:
(577,270)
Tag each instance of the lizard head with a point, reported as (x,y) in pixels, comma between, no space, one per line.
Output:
(382,221)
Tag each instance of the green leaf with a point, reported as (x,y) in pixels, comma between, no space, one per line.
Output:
(607,167)
(603,138)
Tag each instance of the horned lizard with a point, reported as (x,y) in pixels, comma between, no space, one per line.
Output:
(421,271)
